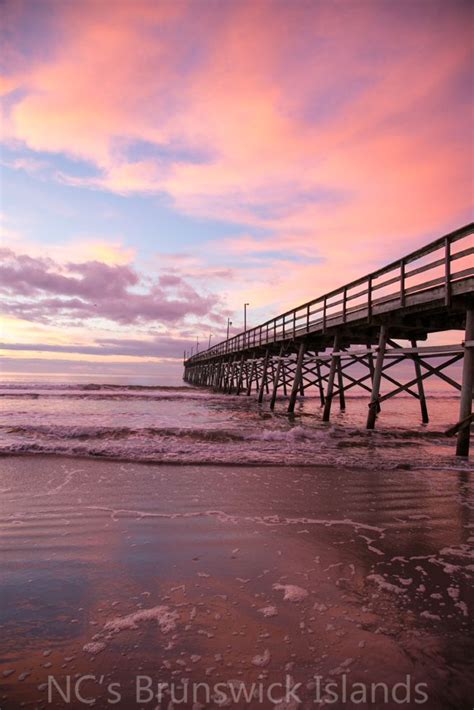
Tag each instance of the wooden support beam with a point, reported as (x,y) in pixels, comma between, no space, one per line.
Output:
(228,367)
(276,377)
(340,384)
(431,371)
(217,373)
(297,377)
(228,370)
(284,378)
(332,374)
(223,377)
(247,375)
(437,371)
(301,388)
(320,383)
(229,375)
(401,387)
(264,376)
(240,374)
(250,380)
(353,382)
(232,375)
(460,425)
(370,360)
(421,390)
(464,434)
(377,378)
(257,375)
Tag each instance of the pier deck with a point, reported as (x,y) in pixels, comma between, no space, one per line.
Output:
(427,291)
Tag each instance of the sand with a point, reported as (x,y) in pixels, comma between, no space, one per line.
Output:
(233,575)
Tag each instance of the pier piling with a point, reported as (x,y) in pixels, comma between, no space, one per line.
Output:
(465,412)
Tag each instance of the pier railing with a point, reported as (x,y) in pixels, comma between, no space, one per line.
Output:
(426,273)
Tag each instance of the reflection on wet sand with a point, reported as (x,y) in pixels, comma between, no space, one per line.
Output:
(219,574)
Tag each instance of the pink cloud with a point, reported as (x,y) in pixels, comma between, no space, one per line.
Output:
(340,128)
(42,290)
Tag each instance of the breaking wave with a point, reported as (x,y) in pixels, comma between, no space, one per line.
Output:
(189,425)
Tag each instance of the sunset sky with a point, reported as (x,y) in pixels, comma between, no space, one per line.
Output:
(163,162)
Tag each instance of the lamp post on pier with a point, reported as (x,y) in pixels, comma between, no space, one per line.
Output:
(229,323)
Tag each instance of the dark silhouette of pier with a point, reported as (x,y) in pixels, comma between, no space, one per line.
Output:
(317,344)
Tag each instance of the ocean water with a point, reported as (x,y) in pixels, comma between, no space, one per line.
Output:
(344,555)
(181,424)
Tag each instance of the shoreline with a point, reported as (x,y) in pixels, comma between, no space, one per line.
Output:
(464,464)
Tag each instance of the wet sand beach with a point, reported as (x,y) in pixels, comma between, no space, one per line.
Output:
(235,575)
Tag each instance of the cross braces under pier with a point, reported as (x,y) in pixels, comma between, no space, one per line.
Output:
(342,345)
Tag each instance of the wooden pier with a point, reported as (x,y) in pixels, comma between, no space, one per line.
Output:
(318,343)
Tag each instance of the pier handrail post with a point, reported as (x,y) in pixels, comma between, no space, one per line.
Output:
(402,282)
(447,270)
(462,446)
(264,376)
(374,400)
(421,390)
(369,298)
(297,377)
(332,375)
